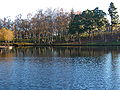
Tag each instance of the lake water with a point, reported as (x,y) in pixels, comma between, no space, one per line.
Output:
(60,68)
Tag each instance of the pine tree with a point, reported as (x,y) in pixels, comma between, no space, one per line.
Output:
(113,14)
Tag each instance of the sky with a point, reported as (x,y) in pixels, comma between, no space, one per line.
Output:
(14,7)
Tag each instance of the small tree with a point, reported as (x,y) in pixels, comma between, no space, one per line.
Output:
(6,34)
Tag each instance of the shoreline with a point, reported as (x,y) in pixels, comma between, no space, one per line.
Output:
(61,44)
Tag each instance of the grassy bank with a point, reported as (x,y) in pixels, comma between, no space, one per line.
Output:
(104,43)
(64,44)
(16,44)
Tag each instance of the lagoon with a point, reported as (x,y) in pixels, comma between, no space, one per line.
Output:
(60,68)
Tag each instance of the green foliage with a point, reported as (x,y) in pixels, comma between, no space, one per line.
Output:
(99,17)
(75,25)
(87,21)
(113,14)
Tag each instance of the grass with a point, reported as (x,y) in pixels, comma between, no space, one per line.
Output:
(103,43)
(64,44)
(19,44)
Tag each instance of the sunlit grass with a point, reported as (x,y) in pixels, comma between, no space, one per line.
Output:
(103,43)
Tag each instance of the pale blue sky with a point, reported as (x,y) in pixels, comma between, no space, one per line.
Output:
(15,7)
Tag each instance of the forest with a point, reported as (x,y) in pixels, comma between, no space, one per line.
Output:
(59,26)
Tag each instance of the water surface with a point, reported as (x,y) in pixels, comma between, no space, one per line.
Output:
(60,68)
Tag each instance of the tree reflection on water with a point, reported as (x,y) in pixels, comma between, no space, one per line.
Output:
(64,51)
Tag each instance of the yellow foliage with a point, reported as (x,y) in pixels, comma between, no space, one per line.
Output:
(81,26)
(6,34)
(84,34)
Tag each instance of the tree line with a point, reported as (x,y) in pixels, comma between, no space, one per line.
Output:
(93,25)
(60,26)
